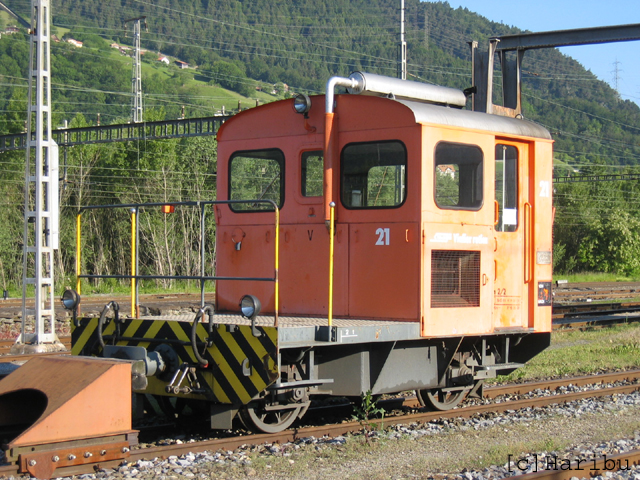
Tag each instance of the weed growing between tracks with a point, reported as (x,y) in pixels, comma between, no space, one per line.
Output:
(576,353)
(368,407)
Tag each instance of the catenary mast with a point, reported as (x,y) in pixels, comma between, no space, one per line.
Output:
(136,72)
(41,224)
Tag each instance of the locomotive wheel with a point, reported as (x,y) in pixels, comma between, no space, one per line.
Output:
(438,399)
(171,407)
(255,417)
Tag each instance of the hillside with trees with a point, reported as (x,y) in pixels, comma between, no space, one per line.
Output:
(258,51)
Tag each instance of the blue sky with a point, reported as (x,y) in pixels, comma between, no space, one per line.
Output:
(546,15)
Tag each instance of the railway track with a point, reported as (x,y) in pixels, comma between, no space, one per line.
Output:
(565,316)
(92,304)
(334,430)
(568,301)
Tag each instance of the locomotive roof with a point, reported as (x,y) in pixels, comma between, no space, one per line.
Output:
(435,114)
(421,113)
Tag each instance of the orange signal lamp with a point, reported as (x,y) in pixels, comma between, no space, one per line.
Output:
(168,208)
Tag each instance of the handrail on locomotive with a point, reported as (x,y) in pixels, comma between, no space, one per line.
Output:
(167,208)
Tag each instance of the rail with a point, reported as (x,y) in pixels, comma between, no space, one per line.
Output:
(167,208)
(343,428)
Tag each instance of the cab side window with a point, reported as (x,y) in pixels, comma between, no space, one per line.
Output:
(458,176)
(374,175)
(507,187)
(256,175)
(312,168)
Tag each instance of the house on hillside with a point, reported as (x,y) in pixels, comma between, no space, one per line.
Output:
(11,30)
(182,64)
(163,59)
(447,171)
(75,43)
(114,45)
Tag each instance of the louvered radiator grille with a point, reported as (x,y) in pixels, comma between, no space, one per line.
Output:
(455,278)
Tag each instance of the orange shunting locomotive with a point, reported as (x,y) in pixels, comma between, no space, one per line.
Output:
(378,240)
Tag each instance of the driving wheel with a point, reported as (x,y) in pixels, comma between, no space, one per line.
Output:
(255,417)
(439,399)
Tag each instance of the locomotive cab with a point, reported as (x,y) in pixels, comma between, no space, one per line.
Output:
(442,215)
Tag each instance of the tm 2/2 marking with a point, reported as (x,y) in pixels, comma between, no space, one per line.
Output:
(383,236)
(500,292)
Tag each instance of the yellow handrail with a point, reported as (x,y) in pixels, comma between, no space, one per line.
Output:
(78,246)
(277,266)
(133,262)
(134,210)
(332,207)
(528,243)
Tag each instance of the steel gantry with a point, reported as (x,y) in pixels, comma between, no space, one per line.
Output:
(482,61)
(123,132)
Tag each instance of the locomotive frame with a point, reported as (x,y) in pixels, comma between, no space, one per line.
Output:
(395,241)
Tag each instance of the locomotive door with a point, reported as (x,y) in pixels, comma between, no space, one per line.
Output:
(383,242)
(304,247)
(513,217)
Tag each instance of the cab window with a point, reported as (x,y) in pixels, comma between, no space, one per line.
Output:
(458,176)
(312,168)
(374,175)
(256,175)
(507,187)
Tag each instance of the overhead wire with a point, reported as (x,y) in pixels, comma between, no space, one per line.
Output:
(256,30)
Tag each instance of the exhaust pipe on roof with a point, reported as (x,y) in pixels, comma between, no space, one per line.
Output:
(379,85)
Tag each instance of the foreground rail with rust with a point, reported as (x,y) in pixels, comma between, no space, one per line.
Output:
(349,427)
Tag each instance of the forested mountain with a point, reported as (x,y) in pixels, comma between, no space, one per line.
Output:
(253,48)
(239,43)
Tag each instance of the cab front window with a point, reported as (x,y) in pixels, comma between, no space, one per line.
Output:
(458,176)
(256,175)
(374,175)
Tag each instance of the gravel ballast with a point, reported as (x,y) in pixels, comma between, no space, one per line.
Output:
(485,447)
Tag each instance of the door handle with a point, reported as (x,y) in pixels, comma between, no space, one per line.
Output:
(528,243)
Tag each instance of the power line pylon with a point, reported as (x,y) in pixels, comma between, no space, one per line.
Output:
(41,224)
(616,76)
(136,72)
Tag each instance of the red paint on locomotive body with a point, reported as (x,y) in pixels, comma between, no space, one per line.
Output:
(443,216)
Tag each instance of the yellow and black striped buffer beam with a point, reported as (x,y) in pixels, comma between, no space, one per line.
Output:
(240,365)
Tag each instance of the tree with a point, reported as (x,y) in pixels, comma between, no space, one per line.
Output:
(231,76)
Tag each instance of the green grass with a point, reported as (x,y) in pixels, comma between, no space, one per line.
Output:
(114,286)
(6,18)
(212,97)
(434,456)
(582,353)
(594,277)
